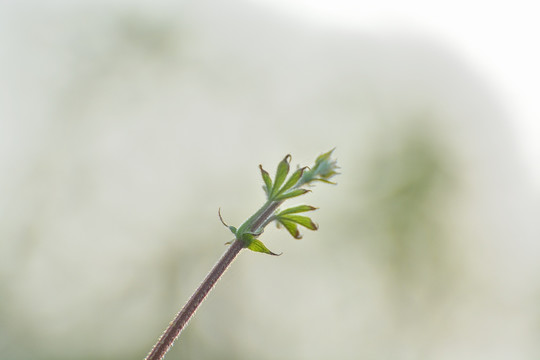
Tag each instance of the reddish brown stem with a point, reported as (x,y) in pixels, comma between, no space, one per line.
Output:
(175,327)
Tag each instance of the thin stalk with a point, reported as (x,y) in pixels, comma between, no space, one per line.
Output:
(175,327)
(265,213)
(246,236)
(182,318)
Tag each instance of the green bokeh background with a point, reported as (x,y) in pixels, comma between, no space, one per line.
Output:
(126,126)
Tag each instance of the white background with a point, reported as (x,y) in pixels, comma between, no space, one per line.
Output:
(498,39)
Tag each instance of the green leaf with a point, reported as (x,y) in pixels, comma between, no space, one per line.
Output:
(258,246)
(297,209)
(325,167)
(291,194)
(324,157)
(281,174)
(301,220)
(291,227)
(293,179)
(267,181)
(247,239)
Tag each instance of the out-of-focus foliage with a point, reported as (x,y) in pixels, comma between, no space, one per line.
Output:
(125,127)
(407,190)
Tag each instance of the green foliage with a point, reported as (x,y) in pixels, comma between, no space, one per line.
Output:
(267,181)
(297,209)
(258,246)
(290,194)
(325,167)
(279,190)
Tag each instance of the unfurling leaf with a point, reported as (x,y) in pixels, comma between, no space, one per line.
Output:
(324,157)
(291,194)
(258,246)
(267,181)
(281,174)
(325,167)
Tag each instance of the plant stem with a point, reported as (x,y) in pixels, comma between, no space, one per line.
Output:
(277,192)
(256,223)
(175,327)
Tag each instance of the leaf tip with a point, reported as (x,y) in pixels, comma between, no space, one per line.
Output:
(231,228)
(258,246)
(221,218)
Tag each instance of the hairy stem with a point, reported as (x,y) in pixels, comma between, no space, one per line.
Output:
(265,214)
(246,235)
(175,327)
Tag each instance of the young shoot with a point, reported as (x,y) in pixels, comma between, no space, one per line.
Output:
(278,190)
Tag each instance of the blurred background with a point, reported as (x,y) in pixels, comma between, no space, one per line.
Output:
(124,126)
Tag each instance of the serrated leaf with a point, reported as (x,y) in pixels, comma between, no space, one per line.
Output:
(301,220)
(291,227)
(291,194)
(293,179)
(297,209)
(258,246)
(267,180)
(281,174)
